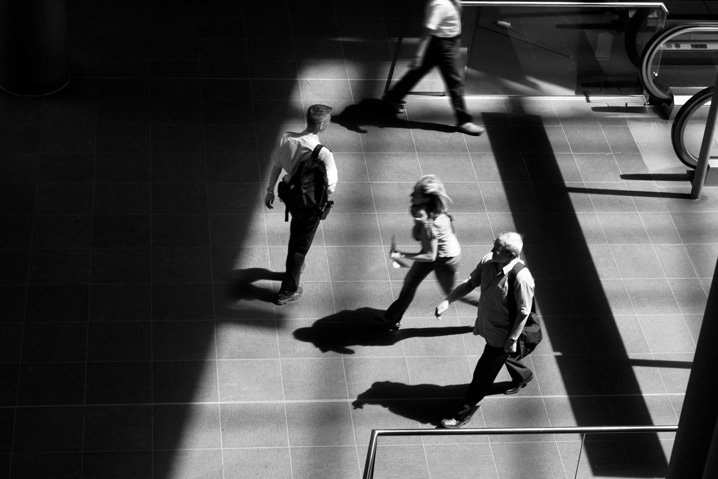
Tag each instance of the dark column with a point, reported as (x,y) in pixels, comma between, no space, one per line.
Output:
(33,46)
(697,435)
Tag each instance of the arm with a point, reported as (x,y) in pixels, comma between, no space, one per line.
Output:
(273,177)
(523,294)
(429,246)
(459,292)
(512,340)
(426,34)
(332,176)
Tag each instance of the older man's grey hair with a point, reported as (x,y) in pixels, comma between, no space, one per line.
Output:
(512,242)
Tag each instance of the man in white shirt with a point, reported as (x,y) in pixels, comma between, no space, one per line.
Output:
(494,322)
(292,150)
(439,45)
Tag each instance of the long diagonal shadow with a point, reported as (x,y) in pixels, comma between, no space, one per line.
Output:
(588,295)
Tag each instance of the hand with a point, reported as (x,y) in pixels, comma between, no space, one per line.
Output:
(443,306)
(395,255)
(269,200)
(510,345)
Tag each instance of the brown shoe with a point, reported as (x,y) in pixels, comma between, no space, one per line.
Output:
(518,388)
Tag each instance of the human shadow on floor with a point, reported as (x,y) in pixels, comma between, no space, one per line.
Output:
(425,403)
(340,331)
(242,288)
(374,112)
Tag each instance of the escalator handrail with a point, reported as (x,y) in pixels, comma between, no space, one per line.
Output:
(654,46)
(679,125)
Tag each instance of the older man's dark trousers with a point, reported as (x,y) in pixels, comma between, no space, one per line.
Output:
(301,234)
(488,367)
(442,53)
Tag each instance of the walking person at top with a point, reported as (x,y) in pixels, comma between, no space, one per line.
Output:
(440,251)
(439,45)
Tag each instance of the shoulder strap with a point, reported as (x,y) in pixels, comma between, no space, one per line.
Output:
(510,298)
(317,149)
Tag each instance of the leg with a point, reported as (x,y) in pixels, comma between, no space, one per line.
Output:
(412,77)
(413,279)
(488,367)
(302,229)
(448,65)
(446,269)
(520,374)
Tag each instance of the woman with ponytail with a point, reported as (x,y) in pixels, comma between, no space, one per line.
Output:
(440,250)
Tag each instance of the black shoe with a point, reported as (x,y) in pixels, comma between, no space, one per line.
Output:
(460,418)
(284,298)
(517,388)
(397,107)
(387,325)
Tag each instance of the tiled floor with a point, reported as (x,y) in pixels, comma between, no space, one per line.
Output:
(137,339)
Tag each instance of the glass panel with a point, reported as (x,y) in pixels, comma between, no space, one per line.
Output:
(556,49)
(688,62)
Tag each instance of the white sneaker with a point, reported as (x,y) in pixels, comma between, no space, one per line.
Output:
(471,129)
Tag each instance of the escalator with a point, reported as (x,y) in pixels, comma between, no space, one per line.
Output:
(678,68)
(689,128)
(678,61)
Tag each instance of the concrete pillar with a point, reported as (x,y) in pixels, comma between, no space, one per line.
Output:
(33,46)
(696,445)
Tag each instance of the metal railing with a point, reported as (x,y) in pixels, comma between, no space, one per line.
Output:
(377,433)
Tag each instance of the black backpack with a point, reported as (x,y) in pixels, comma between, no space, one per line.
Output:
(308,187)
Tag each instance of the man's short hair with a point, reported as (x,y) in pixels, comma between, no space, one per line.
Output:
(511,242)
(317,114)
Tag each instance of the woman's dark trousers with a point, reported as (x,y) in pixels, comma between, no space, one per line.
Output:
(445,272)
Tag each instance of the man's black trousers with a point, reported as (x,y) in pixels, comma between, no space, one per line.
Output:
(302,228)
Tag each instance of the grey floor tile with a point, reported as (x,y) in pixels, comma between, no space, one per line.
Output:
(637,260)
(119,341)
(614,334)
(184,381)
(398,460)
(119,383)
(666,333)
(313,379)
(660,228)
(324,462)
(51,384)
(206,462)
(314,424)
(131,426)
(270,463)
(567,375)
(361,379)
(651,296)
(117,464)
(249,380)
(540,460)
(186,426)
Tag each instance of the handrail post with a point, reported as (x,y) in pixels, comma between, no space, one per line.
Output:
(371,455)
(699,178)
